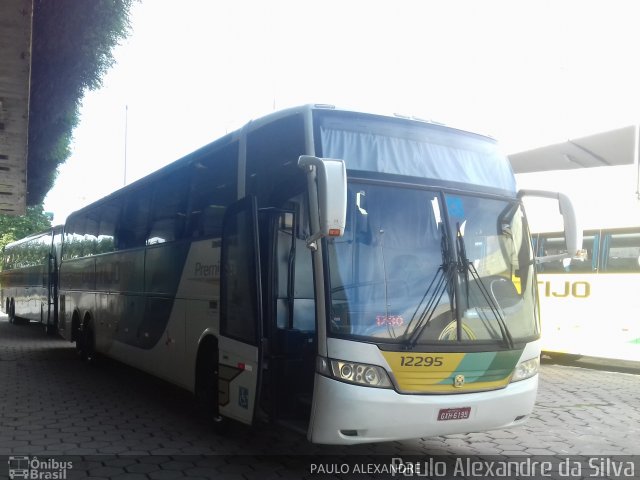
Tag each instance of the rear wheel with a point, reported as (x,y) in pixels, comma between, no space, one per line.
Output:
(13,318)
(86,343)
(51,329)
(11,311)
(76,334)
(49,325)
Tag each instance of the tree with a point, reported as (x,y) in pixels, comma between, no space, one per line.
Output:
(71,51)
(14,228)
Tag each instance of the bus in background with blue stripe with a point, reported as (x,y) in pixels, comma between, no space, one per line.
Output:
(358,277)
(29,279)
(591,307)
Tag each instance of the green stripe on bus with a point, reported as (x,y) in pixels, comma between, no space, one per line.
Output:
(485,366)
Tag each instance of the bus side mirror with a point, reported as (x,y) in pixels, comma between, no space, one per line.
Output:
(572,233)
(327,181)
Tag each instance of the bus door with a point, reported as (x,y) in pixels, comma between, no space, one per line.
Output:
(239,345)
(292,330)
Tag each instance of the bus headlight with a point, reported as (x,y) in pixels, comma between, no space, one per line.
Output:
(526,369)
(352,372)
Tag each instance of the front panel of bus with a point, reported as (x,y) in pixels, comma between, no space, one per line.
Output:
(432,322)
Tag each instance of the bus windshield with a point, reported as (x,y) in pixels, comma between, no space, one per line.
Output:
(422,267)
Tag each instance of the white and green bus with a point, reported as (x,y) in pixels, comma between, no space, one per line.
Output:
(361,277)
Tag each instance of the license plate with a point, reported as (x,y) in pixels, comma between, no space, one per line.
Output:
(461,413)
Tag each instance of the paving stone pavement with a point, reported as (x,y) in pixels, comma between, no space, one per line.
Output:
(115,422)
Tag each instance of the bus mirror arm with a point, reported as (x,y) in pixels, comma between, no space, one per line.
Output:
(572,233)
(327,184)
(553,258)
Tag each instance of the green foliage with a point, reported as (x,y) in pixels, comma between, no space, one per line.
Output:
(14,228)
(72,50)
(77,247)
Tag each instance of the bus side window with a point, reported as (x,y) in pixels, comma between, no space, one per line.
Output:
(303,309)
(108,221)
(168,210)
(91,228)
(6,261)
(284,245)
(133,225)
(622,252)
(272,173)
(212,189)
(590,263)
(73,238)
(553,245)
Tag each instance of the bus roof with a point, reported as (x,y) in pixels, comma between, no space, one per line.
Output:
(33,235)
(306,109)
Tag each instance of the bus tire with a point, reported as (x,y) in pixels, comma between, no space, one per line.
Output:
(206,388)
(87,343)
(11,311)
(75,333)
(13,318)
(51,329)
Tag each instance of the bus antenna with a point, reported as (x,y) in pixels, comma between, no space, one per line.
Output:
(126,118)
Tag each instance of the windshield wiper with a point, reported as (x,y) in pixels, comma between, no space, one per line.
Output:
(441,281)
(466,267)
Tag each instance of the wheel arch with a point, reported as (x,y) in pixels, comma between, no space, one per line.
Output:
(207,346)
(75,325)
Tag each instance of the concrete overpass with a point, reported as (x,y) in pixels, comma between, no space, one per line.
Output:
(15,72)
(602,149)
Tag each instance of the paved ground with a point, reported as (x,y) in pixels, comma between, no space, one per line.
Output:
(52,405)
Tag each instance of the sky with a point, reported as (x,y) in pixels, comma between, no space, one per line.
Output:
(528,73)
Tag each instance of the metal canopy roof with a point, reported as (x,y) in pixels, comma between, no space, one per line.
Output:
(15,59)
(614,147)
